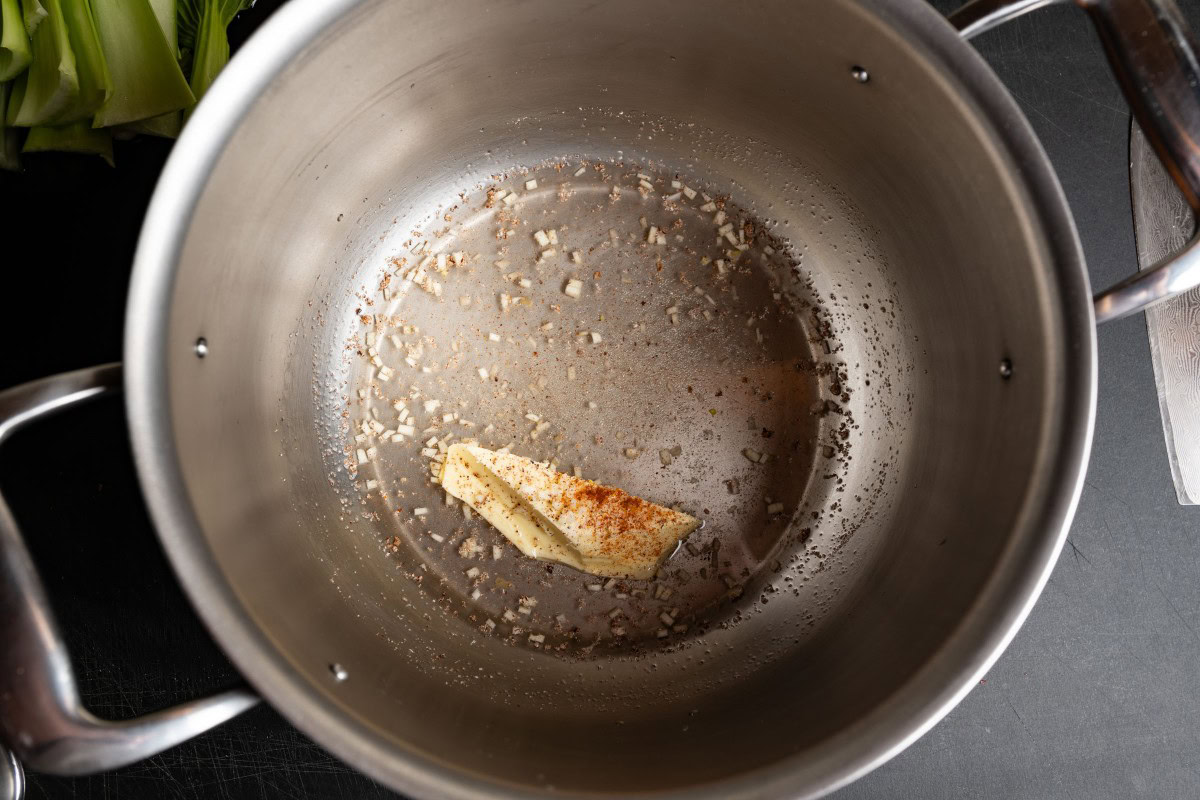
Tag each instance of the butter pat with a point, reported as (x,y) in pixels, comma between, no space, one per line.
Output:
(557,517)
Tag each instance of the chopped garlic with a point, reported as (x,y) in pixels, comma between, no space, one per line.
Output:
(596,339)
(571,373)
(511,198)
(577,256)
(552,235)
(574,288)
(689,193)
(541,238)
(775,508)
(709,207)
(530,185)
(580,171)
(420,512)
(752,454)
(483,373)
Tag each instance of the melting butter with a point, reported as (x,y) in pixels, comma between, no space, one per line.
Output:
(553,516)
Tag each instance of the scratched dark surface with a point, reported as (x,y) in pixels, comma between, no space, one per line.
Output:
(1097,697)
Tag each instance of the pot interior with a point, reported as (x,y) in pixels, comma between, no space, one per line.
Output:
(903,242)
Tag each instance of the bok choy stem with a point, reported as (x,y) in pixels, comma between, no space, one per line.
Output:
(95,84)
(10,142)
(146,77)
(74,137)
(14,41)
(165,125)
(51,83)
(34,12)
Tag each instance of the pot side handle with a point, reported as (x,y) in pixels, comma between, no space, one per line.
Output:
(42,719)
(1156,60)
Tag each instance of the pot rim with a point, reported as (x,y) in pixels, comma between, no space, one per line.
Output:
(928,696)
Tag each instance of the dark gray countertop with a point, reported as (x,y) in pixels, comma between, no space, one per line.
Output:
(1097,697)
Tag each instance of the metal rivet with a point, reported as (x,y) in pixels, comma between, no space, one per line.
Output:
(1006,368)
(201,347)
(339,672)
(860,74)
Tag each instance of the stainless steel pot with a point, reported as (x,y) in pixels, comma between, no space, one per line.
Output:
(913,174)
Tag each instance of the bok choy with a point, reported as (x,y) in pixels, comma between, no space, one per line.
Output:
(75,72)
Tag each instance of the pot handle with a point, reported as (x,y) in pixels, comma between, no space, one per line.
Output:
(1156,60)
(42,719)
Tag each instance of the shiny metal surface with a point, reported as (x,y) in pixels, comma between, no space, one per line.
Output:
(42,718)
(980,16)
(12,776)
(1156,60)
(1164,222)
(267,224)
